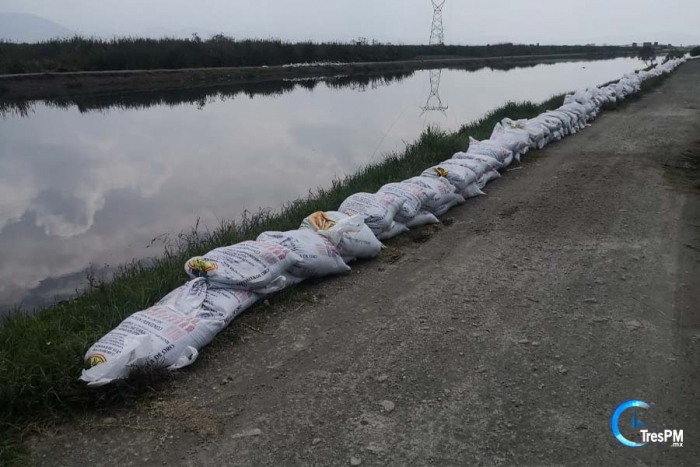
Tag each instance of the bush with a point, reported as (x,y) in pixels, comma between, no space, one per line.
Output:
(647,54)
(674,54)
(695,51)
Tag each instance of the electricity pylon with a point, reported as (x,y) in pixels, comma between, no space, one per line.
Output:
(437,34)
(437,37)
(434,103)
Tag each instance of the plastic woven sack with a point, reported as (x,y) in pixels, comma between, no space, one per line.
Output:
(319,257)
(245,266)
(413,196)
(378,210)
(349,234)
(446,197)
(168,335)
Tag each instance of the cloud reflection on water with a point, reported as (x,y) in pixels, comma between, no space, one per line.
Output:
(94,182)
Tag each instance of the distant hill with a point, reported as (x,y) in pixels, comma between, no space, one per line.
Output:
(20,27)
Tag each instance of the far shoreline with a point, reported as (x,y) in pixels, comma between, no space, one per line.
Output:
(62,85)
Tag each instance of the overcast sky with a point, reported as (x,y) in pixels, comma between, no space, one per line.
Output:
(398,21)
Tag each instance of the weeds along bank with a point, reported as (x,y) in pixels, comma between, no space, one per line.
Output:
(131,53)
(42,355)
(94,90)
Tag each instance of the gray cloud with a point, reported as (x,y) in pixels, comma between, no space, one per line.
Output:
(400,21)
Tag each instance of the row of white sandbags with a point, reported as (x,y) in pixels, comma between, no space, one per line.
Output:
(631,83)
(228,280)
(579,110)
(224,283)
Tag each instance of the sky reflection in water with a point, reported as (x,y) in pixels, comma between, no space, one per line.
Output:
(94,183)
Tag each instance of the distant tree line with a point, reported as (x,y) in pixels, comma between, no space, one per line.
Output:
(130,53)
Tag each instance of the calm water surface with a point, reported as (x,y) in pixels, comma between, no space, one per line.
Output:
(93,184)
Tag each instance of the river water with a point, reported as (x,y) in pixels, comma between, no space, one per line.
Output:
(98,182)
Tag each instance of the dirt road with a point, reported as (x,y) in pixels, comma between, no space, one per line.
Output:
(506,338)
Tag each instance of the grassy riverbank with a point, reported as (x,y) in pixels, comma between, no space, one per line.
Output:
(81,85)
(41,355)
(133,53)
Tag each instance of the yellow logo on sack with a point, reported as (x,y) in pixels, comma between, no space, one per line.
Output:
(96,359)
(321,221)
(202,266)
(441,172)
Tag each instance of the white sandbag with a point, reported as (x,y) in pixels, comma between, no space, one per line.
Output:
(379,210)
(349,234)
(168,335)
(490,148)
(610,94)
(488,160)
(536,132)
(467,164)
(552,124)
(577,114)
(579,111)
(446,197)
(482,178)
(423,218)
(564,118)
(624,89)
(598,96)
(572,127)
(633,80)
(461,177)
(245,266)
(476,166)
(397,228)
(482,170)
(585,99)
(413,196)
(319,257)
(202,300)
(517,141)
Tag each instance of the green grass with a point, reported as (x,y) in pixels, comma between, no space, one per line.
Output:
(41,354)
(132,53)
